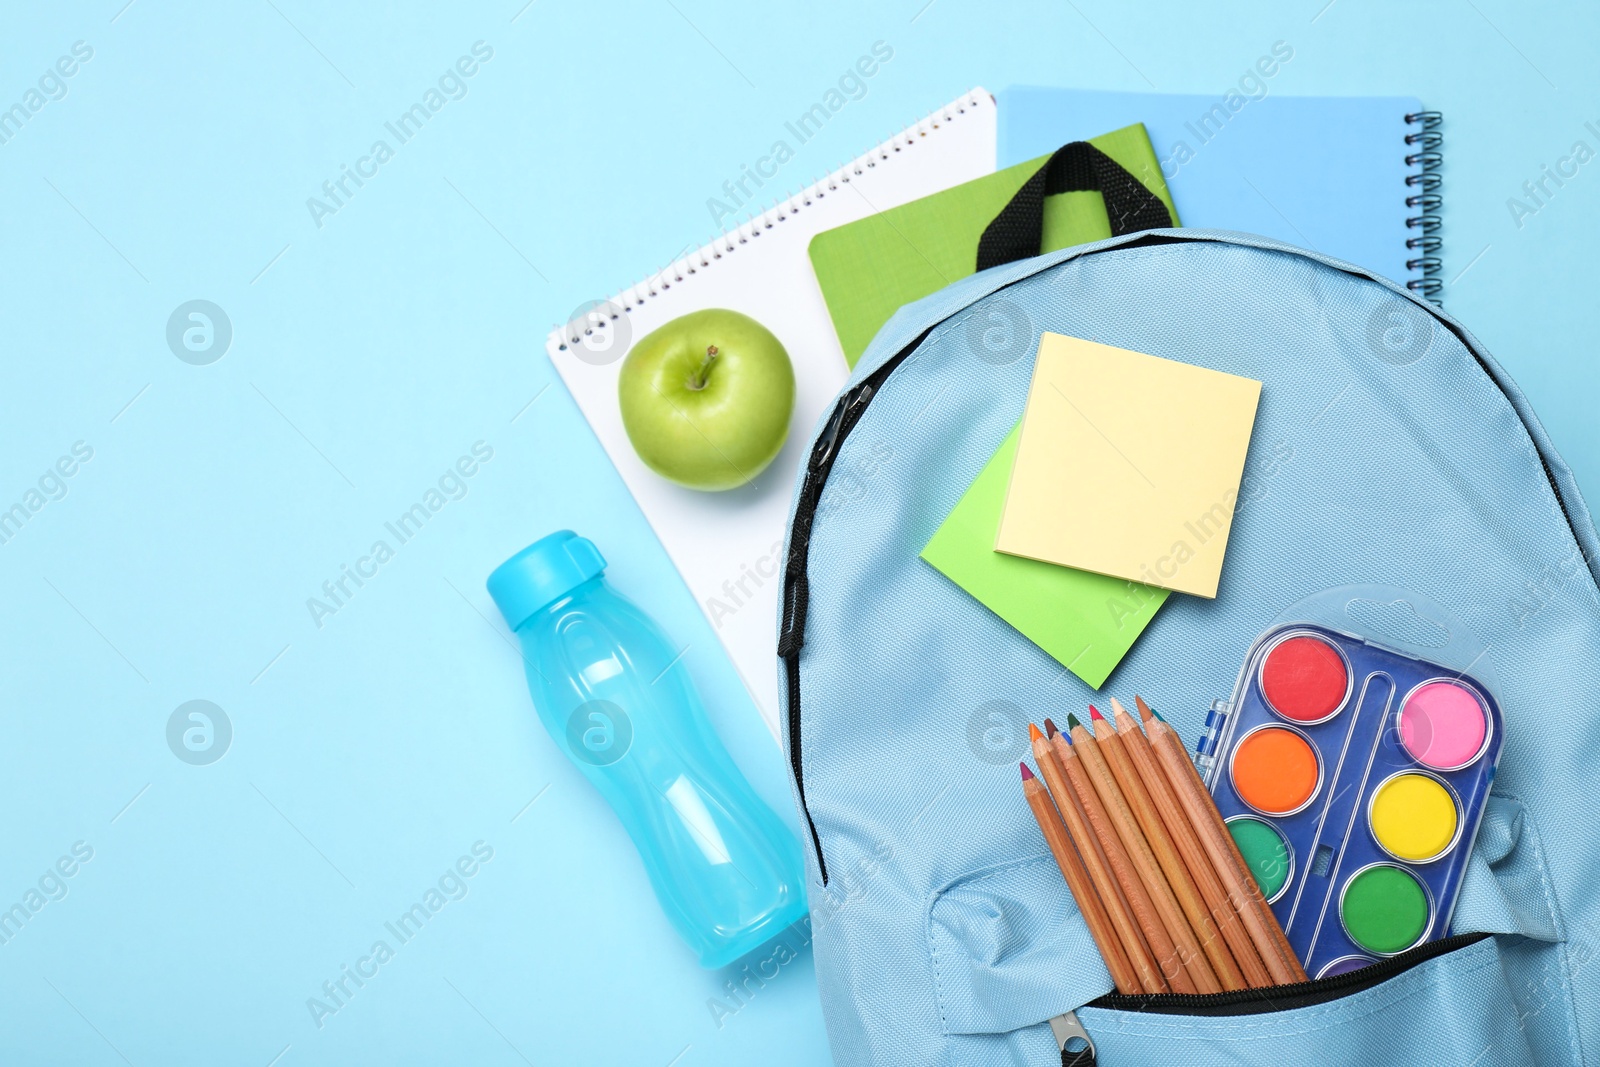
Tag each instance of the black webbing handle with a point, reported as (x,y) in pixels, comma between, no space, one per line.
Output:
(1018,230)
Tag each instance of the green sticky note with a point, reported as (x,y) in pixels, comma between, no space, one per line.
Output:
(868,269)
(1086,621)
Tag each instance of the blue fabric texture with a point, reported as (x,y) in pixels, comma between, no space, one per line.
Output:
(1388,448)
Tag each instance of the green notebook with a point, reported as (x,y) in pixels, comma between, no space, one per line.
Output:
(867,270)
(1086,621)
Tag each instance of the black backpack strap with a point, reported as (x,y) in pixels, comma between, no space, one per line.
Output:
(1018,230)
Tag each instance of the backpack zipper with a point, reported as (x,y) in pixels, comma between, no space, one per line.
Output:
(1285,997)
(1077,1047)
(1073,1041)
(796,588)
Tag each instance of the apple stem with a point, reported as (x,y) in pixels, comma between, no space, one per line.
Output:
(701,376)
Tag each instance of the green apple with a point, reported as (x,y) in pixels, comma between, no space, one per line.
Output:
(706,399)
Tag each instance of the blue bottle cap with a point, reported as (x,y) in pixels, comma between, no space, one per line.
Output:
(543,572)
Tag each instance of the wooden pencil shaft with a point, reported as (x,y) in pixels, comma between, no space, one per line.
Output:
(1218,839)
(1094,916)
(1144,862)
(1262,925)
(1182,884)
(1103,883)
(1133,889)
(1267,935)
(1186,838)
(1224,836)
(1107,877)
(1297,973)
(1286,967)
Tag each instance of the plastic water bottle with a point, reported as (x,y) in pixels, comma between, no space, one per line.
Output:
(609,689)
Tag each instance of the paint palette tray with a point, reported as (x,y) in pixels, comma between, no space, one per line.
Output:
(1353,778)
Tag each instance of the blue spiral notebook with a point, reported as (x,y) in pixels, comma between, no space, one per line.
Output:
(1337,175)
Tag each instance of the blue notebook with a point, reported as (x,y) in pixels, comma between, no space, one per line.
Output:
(1325,173)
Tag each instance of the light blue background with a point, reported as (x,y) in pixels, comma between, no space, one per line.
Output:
(370,353)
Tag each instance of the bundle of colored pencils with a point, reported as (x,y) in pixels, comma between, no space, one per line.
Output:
(1161,884)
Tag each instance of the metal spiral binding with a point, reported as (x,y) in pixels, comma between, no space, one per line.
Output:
(597,316)
(1424,183)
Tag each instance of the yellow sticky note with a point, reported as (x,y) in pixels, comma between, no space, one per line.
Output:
(1128,465)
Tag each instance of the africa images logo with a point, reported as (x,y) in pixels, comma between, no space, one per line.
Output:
(199,732)
(199,332)
(599,732)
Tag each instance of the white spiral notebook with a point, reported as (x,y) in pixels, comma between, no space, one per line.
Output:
(727,545)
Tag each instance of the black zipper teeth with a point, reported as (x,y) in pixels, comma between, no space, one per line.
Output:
(795,593)
(1284,997)
(791,636)
(792,670)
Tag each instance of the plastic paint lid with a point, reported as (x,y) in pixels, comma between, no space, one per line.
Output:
(1275,770)
(1443,725)
(1346,964)
(1305,679)
(1414,817)
(1265,852)
(1385,909)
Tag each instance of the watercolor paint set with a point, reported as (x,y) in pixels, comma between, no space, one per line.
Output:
(1352,777)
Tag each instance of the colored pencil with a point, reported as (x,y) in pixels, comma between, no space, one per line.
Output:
(1094,915)
(1102,890)
(1265,932)
(1133,889)
(1127,829)
(1260,920)
(1187,841)
(1182,883)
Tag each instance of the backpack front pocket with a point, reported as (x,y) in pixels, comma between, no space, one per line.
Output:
(1010,952)
(1452,1007)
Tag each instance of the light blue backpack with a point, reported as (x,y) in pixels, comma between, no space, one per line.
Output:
(1389,448)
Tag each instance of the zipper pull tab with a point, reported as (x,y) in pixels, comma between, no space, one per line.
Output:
(850,405)
(1077,1050)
